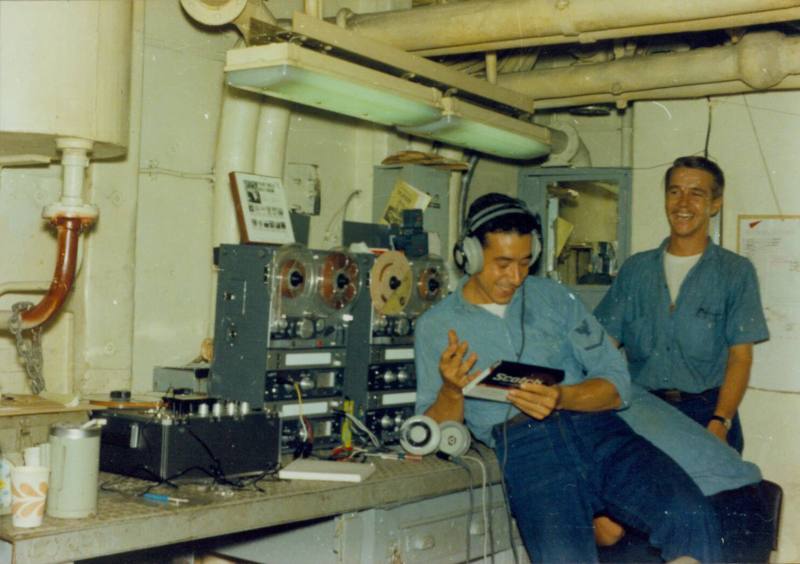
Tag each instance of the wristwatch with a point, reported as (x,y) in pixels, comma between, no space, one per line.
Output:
(724,420)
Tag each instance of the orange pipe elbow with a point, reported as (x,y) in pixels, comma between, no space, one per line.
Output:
(69,231)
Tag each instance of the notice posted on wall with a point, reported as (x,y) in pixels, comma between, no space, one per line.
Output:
(261,209)
(772,243)
(404,196)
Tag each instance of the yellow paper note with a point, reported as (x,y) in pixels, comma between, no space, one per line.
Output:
(403,197)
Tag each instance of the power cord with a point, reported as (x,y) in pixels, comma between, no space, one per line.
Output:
(503,463)
(486,521)
(457,460)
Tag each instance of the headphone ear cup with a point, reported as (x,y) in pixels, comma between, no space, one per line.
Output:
(473,255)
(536,248)
(458,254)
(420,435)
(455,440)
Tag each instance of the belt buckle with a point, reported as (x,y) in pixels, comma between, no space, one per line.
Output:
(674,396)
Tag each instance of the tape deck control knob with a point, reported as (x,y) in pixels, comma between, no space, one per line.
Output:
(304,328)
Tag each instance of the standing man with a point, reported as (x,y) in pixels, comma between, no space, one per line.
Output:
(565,454)
(689,312)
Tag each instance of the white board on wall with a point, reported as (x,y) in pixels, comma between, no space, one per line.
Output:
(772,243)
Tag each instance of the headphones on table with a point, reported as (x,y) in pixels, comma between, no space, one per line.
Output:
(422,435)
(468,251)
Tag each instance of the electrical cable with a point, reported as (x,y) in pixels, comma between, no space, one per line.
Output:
(364,429)
(342,211)
(763,157)
(463,465)
(708,128)
(503,463)
(302,420)
(485,512)
(490,502)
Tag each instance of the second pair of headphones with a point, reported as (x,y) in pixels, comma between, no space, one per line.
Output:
(422,435)
(468,252)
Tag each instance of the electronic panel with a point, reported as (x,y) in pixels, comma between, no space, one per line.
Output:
(380,377)
(281,333)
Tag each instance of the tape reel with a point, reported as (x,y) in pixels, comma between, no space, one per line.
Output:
(319,282)
(339,281)
(422,435)
(390,283)
(430,283)
(295,279)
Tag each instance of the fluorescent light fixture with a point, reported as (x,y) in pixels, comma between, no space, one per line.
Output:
(303,76)
(473,127)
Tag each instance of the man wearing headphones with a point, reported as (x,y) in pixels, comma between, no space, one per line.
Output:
(565,455)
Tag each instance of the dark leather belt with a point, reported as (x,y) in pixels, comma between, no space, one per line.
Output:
(678,396)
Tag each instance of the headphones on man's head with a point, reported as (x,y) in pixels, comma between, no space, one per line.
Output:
(468,251)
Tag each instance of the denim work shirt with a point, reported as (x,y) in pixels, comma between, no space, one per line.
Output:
(555,331)
(684,346)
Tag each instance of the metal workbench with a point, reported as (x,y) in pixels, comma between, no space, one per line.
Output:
(126,522)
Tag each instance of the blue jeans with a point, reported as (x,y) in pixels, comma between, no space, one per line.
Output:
(701,407)
(562,471)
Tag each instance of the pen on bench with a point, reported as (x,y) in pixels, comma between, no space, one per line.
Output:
(165,498)
(396,456)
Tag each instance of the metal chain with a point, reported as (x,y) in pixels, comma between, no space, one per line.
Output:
(28,349)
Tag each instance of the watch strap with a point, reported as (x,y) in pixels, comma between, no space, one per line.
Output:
(724,420)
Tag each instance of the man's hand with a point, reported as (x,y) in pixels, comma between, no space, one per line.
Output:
(453,367)
(537,400)
(717,429)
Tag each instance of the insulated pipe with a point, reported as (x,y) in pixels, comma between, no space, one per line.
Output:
(759,61)
(487,25)
(69,230)
(70,215)
(680,92)
(271,137)
(235,141)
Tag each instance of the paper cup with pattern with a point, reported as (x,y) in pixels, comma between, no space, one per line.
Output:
(5,487)
(28,495)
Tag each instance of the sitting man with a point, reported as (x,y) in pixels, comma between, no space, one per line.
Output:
(689,312)
(566,456)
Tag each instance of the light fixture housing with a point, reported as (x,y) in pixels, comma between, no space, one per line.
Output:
(466,125)
(304,76)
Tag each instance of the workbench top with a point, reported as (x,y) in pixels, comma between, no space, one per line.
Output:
(125,521)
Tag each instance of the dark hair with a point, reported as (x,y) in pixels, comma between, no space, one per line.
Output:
(701,163)
(523,222)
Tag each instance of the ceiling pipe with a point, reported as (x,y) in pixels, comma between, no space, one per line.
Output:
(490,25)
(760,61)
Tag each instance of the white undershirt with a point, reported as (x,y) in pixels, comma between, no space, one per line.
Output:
(676,268)
(498,309)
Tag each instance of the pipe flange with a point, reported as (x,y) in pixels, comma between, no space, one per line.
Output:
(87,212)
(759,59)
(343,17)
(214,12)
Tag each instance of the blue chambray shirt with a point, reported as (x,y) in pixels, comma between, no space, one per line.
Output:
(686,347)
(558,330)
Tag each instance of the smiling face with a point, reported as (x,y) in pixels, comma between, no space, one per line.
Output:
(690,204)
(506,261)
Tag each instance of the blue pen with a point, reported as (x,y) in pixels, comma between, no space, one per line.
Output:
(164,498)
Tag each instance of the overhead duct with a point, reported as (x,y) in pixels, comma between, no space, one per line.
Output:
(490,25)
(758,62)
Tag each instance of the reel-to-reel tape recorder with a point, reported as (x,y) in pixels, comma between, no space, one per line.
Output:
(297,331)
(380,378)
(280,334)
